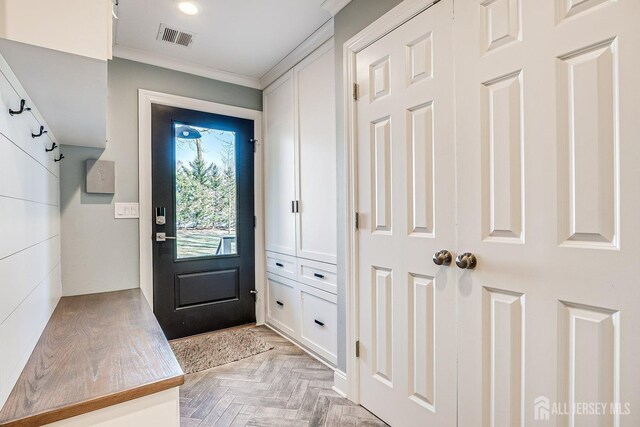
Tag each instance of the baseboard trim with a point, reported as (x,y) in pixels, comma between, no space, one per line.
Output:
(297,344)
(340,383)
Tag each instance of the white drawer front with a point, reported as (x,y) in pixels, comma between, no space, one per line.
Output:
(282,265)
(318,329)
(318,274)
(281,301)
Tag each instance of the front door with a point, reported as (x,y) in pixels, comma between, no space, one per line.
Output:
(203,198)
(406,201)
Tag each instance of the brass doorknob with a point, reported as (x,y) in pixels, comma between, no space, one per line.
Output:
(466,261)
(442,257)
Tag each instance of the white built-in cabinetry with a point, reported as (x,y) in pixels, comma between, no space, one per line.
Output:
(300,203)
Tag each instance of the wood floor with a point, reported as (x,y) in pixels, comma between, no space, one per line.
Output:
(281,387)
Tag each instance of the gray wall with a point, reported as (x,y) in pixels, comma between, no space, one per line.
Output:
(100,253)
(350,21)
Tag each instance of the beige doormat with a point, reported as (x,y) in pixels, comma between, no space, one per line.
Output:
(207,351)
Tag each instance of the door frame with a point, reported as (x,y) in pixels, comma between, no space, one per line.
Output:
(372,33)
(145,99)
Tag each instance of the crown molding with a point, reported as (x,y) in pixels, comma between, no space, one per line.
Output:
(124,52)
(311,43)
(334,6)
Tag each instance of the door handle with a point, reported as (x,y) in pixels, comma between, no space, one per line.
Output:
(442,257)
(162,237)
(466,261)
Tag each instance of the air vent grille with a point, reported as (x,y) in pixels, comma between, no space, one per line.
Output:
(175,36)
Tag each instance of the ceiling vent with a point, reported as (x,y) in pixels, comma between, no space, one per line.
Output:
(175,36)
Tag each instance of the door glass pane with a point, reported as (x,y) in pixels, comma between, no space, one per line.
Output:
(206,212)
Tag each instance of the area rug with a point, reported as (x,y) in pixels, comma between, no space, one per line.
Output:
(207,351)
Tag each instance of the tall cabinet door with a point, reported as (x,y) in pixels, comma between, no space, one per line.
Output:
(547,152)
(279,161)
(316,151)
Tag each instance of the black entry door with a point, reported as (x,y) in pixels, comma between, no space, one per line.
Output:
(203,264)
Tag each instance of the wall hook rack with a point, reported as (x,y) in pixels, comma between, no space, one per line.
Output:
(59,158)
(53,147)
(21,110)
(36,135)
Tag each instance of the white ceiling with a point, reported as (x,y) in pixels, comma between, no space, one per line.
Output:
(242,37)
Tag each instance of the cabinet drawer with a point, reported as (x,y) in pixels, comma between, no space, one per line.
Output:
(282,265)
(318,274)
(318,326)
(281,303)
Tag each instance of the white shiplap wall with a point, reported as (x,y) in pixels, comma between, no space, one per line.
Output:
(30,284)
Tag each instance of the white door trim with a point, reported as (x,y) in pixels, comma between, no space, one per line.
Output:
(378,29)
(145,99)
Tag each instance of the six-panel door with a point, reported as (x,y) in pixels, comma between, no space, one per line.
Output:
(547,172)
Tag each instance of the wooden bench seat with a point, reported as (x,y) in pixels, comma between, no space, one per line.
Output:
(96,351)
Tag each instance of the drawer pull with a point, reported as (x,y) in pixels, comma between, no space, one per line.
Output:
(281,304)
(279,264)
(318,275)
(319,322)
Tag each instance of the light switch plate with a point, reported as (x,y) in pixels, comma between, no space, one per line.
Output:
(127,210)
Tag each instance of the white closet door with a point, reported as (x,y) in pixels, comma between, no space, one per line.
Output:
(406,201)
(279,161)
(316,151)
(548,153)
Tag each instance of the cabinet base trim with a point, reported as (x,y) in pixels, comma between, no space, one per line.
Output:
(302,347)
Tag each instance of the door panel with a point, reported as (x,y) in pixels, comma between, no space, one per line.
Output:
(406,204)
(204,270)
(547,169)
(316,153)
(279,166)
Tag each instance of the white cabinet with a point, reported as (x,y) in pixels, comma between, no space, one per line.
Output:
(279,162)
(316,156)
(300,160)
(300,203)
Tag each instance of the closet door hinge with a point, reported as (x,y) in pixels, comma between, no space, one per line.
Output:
(255,220)
(358,348)
(356,91)
(357,221)
(295,206)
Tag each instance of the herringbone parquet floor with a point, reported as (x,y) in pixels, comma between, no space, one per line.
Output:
(281,387)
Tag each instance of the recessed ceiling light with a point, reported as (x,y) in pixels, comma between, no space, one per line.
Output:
(188,8)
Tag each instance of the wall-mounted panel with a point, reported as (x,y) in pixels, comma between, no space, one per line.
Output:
(381,175)
(588,149)
(588,360)
(419,62)
(502,159)
(421,163)
(500,23)
(502,357)
(379,78)
(382,325)
(421,368)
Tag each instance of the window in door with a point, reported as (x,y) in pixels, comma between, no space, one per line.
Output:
(206,203)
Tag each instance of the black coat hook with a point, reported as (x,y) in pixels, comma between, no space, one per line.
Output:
(21,110)
(36,135)
(53,147)
(59,158)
